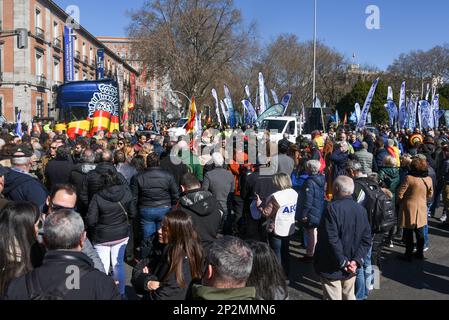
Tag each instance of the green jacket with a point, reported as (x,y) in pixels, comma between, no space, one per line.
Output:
(391,178)
(210,293)
(193,164)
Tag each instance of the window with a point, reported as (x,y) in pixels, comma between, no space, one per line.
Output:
(75,42)
(39,107)
(39,63)
(91,55)
(1,106)
(291,128)
(55,30)
(77,76)
(56,70)
(84,49)
(38,18)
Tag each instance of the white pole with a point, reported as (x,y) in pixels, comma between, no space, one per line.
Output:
(314,53)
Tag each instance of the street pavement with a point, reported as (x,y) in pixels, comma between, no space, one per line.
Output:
(400,280)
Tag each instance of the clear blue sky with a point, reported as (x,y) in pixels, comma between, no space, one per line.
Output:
(405,24)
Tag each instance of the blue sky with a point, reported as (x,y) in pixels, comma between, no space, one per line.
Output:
(404,25)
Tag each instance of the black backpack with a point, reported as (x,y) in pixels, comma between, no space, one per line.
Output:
(380,208)
(35,291)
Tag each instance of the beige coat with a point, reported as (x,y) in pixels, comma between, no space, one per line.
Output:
(413,195)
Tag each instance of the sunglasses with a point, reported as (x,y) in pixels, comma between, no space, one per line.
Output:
(55,207)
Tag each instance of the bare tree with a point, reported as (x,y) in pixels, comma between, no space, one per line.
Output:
(191,41)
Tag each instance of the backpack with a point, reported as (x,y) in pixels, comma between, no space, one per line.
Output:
(380,208)
(35,291)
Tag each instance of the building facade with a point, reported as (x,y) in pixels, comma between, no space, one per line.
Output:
(29,77)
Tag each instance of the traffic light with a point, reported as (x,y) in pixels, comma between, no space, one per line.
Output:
(22,39)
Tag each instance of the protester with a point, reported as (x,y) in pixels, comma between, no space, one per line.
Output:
(280,210)
(365,158)
(220,182)
(110,213)
(123,167)
(413,195)
(64,239)
(18,227)
(229,264)
(344,239)
(155,191)
(203,207)
(181,262)
(339,158)
(311,206)
(58,170)
(267,275)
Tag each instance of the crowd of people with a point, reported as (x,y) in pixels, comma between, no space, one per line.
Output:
(211,225)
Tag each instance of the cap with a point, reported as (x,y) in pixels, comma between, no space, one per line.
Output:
(21,151)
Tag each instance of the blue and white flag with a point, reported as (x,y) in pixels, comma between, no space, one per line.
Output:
(367,105)
(428,92)
(217,107)
(337,118)
(229,104)
(436,111)
(358,112)
(353,117)
(412,107)
(402,117)
(225,112)
(248,92)
(275,97)
(262,105)
(267,98)
(18,130)
(425,111)
(286,99)
(251,112)
(391,107)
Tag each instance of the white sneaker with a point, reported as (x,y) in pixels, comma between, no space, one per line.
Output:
(426,249)
(443,218)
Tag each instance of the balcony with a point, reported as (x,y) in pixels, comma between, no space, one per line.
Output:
(57,43)
(92,63)
(41,81)
(40,33)
(85,60)
(77,55)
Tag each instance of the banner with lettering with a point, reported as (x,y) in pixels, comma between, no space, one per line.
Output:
(262,105)
(69,62)
(367,105)
(402,117)
(217,107)
(100,64)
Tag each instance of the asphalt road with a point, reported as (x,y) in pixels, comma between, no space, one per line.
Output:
(400,280)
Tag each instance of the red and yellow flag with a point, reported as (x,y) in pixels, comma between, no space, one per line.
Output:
(100,121)
(192,119)
(78,128)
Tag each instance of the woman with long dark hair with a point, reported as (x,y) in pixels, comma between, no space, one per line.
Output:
(108,218)
(181,262)
(267,275)
(18,229)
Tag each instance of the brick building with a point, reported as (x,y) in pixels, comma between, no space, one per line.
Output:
(29,77)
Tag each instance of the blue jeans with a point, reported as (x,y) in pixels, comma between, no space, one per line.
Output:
(364,278)
(426,229)
(150,220)
(281,247)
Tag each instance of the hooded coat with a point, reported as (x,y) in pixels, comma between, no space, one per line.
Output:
(206,213)
(311,201)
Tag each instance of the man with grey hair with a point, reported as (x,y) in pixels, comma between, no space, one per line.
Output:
(229,264)
(221,183)
(365,158)
(66,273)
(20,185)
(344,238)
(79,173)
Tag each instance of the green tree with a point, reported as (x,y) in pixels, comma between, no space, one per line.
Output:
(358,94)
(444,97)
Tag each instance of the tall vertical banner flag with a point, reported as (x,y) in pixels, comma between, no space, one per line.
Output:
(337,118)
(419,115)
(225,113)
(262,105)
(437,112)
(192,118)
(358,112)
(402,117)
(267,99)
(428,92)
(132,92)
(367,105)
(229,104)
(248,92)
(251,112)
(69,62)
(18,130)
(100,64)
(391,107)
(412,106)
(286,100)
(275,97)
(217,107)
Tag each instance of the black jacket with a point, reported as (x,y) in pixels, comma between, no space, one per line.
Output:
(206,213)
(57,172)
(154,188)
(92,182)
(344,235)
(177,170)
(169,288)
(94,285)
(24,187)
(106,218)
(77,176)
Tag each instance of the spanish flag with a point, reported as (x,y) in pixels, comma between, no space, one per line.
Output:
(100,121)
(115,124)
(78,128)
(191,123)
